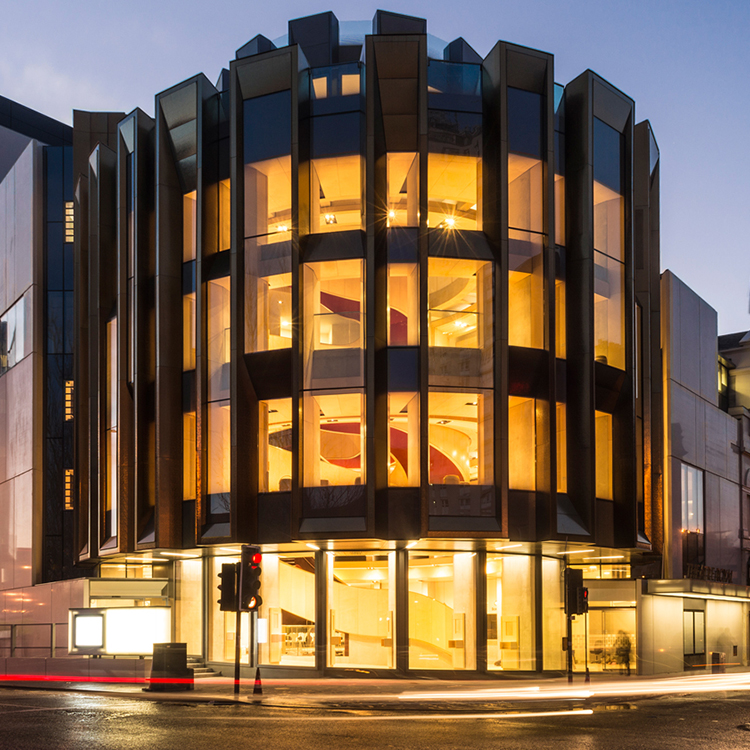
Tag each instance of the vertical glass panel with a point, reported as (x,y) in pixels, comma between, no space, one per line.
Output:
(275,445)
(692,498)
(525,289)
(225,215)
(362,604)
(609,201)
(188,456)
(525,166)
(609,311)
(604,456)
(267,140)
(562,449)
(561,336)
(454,170)
(442,611)
(333,323)
(403,440)
(13,331)
(700,632)
(403,190)
(110,427)
(553,615)
(336,194)
(454,79)
(609,633)
(219,457)
(460,436)
(510,612)
(334,438)
(188,604)
(460,322)
(403,304)
(288,610)
(336,80)
(189,226)
(188,331)
(218,333)
(268,295)
(521,443)
(687,633)
(559,210)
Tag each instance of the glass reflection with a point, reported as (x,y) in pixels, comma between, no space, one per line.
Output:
(336,80)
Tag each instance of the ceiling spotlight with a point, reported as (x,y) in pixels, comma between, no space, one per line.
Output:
(330,219)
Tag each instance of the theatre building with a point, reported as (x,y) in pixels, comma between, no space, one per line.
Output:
(392,311)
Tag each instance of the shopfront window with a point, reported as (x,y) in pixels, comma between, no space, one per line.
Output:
(361,608)
(334,435)
(403,190)
(268,167)
(333,323)
(454,170)
(510,612)
(442,612)
(336,173)
(275,445)
(460,322)
(403,304)
(403,440)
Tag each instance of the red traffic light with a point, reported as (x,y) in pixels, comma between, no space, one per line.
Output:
(257,557)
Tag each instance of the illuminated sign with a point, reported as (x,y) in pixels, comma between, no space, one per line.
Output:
(118,630)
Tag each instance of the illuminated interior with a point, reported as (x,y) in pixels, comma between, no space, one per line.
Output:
(604,455)
(334,319)
(510,612)
(275,445)
(268,295)
(336,80)
(609,311)
(362,602)
(110,438)
(460,434)
(268,199)
(189,456)
(188,331)
(609,221)
(189,226)
(559,210)
(691,486)
(403,304)
(219,456)
(522,429)
(442,610)
(336,192)
(334,435)
(525,289)
(403,190)
(218,337)
(225,215)
(453,190)
(525,192)
(561,336)
(403,440)
(562,448)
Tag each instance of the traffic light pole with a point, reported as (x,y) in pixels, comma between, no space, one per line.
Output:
(237,646)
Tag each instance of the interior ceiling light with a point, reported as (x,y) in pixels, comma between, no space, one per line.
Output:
(330,219)
(576,552)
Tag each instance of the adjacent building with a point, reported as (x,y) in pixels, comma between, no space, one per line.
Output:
(394,312)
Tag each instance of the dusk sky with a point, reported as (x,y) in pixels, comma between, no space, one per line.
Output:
(686,63)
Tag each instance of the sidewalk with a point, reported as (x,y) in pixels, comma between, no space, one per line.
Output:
(406,694)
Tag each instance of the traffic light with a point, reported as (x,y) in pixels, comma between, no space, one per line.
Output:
(250,578)
(582,600)
(228,587)
(573,585)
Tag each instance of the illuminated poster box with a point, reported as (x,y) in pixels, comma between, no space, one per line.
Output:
(121,631)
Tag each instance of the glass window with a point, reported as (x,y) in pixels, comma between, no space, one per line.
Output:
(609,201)
(334,438)
(560,189)
(188,316)
(522,429)
(603,434)
(460,436)
(219,457)
(13,333)
(562,449)
(189,456)
(275,445)
(454,170)
(442,610)
(510,612)
(553,615)
(268,167)
(403,304)
(333,323)
(525,166)
(694,632)
(337,173)
(218,333)
(288,611)
(268,295)
(610,634)
(110,428)
(460,322)
(225,215)
(561,337)
(403,190)
(189,226)
(691,485)
(456,79)
(336,80)
(609,311)
(362,603)
(403,440)
(525,289)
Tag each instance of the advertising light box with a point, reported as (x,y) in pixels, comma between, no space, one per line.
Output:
(121,631)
